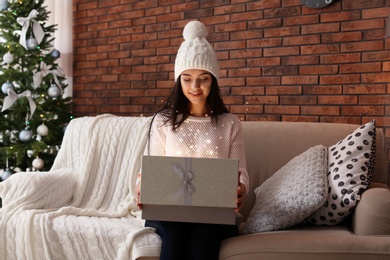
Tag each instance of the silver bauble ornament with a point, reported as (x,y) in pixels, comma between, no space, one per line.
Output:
(31,44)
(55,54)
(54,91)
(38,163)
(3,5)
(25,135)
(43,130)
(6,174)
(6,86)
(8,58)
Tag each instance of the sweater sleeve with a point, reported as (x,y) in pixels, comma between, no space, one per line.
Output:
(156,141)
(157,138)
(237,151)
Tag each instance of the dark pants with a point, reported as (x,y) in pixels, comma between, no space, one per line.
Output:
(186,241)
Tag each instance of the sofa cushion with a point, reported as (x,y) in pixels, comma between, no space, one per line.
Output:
(351,162)
(306,243)
(291,194)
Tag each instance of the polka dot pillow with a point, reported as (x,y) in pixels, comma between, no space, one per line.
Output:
(351,163)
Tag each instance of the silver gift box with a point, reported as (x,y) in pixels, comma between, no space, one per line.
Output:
(201,190)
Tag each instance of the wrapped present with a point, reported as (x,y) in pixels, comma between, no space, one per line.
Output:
(184,189)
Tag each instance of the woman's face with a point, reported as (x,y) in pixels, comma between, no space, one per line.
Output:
(196,85)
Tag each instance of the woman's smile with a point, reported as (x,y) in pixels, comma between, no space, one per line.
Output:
(195,94)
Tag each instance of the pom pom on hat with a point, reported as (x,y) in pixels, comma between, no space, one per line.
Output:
(196,52)
(194,29)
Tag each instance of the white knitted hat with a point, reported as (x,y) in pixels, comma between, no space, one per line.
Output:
(196,52)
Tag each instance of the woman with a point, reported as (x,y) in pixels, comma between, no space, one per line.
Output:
(196,123)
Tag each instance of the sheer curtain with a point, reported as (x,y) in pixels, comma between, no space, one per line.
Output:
(62,15)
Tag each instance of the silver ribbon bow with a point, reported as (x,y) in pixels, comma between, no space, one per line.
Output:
(38,77)
(13,97)
(25,23)
(186,176)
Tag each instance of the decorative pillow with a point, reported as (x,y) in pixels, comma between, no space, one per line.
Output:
(292,194)
(351,164)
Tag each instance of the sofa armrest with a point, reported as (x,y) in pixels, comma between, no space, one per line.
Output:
(378,185)
(38,190)
(372,213)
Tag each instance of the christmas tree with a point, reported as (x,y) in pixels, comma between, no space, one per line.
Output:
(34,113)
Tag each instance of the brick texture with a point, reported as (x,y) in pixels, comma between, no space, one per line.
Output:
(280,61)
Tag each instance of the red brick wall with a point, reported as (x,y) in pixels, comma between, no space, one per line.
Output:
(279,60)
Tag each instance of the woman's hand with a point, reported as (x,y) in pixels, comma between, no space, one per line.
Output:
(241,193)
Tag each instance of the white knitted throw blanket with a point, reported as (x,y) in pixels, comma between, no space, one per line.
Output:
(84,207)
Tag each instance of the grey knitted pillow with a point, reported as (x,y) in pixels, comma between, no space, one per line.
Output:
(292,194)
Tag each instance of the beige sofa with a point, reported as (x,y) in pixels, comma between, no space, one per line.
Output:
(84,208)
(364,235)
